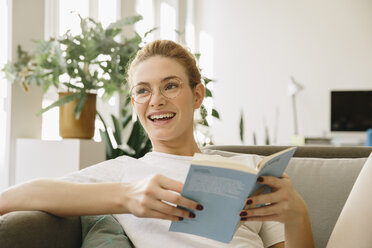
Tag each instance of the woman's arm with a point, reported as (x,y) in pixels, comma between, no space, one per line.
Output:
(286,206)
(143,199)
(62,198)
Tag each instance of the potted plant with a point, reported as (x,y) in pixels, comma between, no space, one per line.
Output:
(78,66)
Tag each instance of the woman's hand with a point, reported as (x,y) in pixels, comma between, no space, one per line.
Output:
(283,204)
(158,197)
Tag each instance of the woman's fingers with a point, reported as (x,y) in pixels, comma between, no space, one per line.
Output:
(265,198)
(268,210)
(160,215)
(164,207)
(158,197)
(274,182)
(283,204)
(168,184)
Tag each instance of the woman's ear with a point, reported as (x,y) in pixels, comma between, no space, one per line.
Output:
(199,93)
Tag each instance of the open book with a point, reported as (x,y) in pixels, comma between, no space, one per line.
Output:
(222,186)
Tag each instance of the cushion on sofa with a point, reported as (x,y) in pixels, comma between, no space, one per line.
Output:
(38,229)
(324,184)
(103,231)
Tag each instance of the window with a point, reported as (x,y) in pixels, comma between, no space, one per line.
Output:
(108,11)
(68,18)
(4,57)
(145,8)
(168,20)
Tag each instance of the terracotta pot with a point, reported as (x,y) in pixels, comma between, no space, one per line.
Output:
(83,128)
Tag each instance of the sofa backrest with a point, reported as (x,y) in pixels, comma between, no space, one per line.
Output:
(323,176)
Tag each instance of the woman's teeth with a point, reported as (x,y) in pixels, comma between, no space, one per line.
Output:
(163,116)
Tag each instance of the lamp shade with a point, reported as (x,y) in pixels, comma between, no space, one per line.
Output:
(294,87)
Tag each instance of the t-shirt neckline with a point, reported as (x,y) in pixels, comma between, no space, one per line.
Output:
(168,155)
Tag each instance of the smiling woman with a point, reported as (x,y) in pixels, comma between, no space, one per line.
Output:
(145,193)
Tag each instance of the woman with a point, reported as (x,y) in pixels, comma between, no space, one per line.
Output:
(166,89)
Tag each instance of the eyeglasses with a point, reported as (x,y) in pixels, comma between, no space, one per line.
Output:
(169,88)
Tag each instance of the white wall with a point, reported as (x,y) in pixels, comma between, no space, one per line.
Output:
(27,24)
(258,44)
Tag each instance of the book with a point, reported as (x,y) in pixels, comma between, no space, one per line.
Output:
(222,185)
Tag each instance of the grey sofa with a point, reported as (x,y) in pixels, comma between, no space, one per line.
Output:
(323,176)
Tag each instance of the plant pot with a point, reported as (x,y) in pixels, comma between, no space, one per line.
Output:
(83,128)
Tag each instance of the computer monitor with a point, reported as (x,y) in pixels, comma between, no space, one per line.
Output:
(351,111)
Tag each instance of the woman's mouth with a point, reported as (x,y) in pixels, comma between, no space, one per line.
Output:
(161,117)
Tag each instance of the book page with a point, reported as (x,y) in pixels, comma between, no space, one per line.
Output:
(222,162)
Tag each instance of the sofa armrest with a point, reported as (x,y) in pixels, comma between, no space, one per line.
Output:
(39,229)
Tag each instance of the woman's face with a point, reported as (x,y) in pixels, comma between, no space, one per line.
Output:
(166,119)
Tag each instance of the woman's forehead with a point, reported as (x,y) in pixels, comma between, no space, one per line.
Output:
(157,69)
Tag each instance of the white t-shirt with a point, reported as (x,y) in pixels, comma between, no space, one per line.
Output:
(148,232)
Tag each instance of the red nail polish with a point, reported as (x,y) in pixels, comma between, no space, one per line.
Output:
(249,202)
(199,207)
(180,218)
(243,214)
(260,179)
(192,215)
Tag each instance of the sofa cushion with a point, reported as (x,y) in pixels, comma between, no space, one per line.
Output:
(37,229)
(103,231)
(324,184)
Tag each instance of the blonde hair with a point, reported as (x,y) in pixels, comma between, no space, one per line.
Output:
(167,49)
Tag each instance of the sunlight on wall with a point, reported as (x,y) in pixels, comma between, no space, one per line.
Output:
(168,23)
(145,8)
(69,20)
(107,11)
(50,121)
(3,91)
(206,46)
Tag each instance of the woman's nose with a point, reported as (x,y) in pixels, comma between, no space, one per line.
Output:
(157,98)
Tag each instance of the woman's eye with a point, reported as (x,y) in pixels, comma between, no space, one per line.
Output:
(142,91)
(171,86)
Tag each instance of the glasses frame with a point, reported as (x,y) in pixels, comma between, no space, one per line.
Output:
(152,92)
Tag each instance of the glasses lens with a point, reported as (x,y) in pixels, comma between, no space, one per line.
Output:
(171,88)
(141,93)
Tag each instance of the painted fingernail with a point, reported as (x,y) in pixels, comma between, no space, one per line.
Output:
(243,218)
(260,179)
(243,214)
(180,218)
(199,207)
(191,215)
(249,202)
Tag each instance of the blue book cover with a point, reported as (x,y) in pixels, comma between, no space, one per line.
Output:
(222,185)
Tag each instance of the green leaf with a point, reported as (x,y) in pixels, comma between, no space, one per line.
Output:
(150,31)
(80,105)
(208,93)
(207,80)
(241,127)
(136,136)
(197,56)
(117,132)
(125,21)
(215,114)
(69,85)
(60,102)
(203,111)
(126,120)
(106,138)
